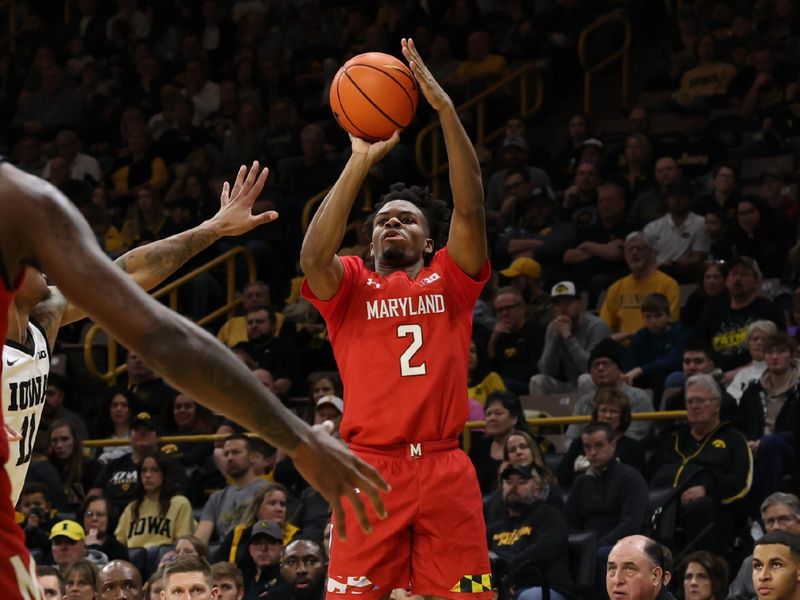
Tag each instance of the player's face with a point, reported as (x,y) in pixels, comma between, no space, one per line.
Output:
(273,507)
(303,566)
(400,235)
(776,573)
(50,587)
(182,586)
(62,442)
(120,582)
(519,452)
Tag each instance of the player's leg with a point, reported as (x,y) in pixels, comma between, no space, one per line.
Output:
(449,555)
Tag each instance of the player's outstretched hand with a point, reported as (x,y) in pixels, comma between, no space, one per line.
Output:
(374,151)
(335,472)
(235,215)
(431,89)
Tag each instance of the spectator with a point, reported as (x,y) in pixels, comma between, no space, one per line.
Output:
(80,580)
(150,392)
(482,381)
(621,308)
(142,166)
(656,349)
(769,411)
(724,194)
(188,572)
(228,580)
(38,513)
(329,408)
(708,461)
(177,142)
(304,569)
(261,566)
(531,534)
(776,559)
(634,176)
(119,579)
(67,542)
(113,421)
(636,570)
(273,353)
(254,293)
(777,193)
(82,167)
(611,497)
(79,192)
(514,155)
(710,79)
(652,204)
(99,522)
(516,341)
(757,334)
(525,274)
(184,416)
(678,238)
(482,67)
(203,92)
(225,507)
(158,515)
(726,328)
(758,234)
(155,585)
(579,203)
(55,408)
(605,364)
(188,544)
(612,407)
(304,176)
(568,341)
(51,582)
(705,576)
(66,454)
(711,292)
(566,159)
(779,512)
(696,148)
(51,108)
(244,141)
(144,219)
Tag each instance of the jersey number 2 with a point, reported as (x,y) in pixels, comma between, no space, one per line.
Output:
(406,368)
(28,433)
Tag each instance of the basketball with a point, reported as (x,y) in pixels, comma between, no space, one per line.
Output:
(372,95)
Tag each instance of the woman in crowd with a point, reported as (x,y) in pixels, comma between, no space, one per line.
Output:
(705,577)
(189,544)
(99,521)
(157,515)
(80,580)
(504,415)
(711,293)
(184,416)
(757,333)
(567,158)
(634,175)
(759,235)
(268,504)
(145,217)
(113,421)
(611,406)
(77,472)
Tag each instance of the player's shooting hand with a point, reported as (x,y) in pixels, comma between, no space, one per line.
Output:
(335,472)
(433,92)
(374,151)
(235,215)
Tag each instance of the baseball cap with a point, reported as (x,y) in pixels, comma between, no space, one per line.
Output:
(609,349)
(747,262)
(143,418)
(563,288)
(68,529)
(267,528)
(523,266)
(592,142)
(333,401)
(515,140)
(523,471)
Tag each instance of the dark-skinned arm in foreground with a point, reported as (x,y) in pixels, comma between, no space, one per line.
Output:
(38,225)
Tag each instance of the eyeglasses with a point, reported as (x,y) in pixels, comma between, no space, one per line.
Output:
(502,309)
(782,520)
(89,514)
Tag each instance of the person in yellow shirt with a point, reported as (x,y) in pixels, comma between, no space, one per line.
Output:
(708,78)
(234,330)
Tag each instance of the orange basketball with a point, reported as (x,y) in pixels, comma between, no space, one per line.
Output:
(372,95)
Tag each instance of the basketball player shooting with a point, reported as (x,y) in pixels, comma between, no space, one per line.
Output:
(40,227)
(401,335)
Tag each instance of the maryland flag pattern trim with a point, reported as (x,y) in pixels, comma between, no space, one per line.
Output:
(474,584)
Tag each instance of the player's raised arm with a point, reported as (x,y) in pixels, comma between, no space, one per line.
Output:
(467,240)
(49,231)
(321,266)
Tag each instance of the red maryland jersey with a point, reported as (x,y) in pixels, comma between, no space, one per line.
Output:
(402,346)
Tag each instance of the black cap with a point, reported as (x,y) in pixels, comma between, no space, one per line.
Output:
(523,471)
(272,530)
(143,419)
(609,349)
(747,262)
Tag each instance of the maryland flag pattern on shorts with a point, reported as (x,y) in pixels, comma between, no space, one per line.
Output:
(474,584)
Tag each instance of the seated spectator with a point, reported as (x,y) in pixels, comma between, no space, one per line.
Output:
(637,568)
(324,383)
(150,392)
(708,461)
(768,416)
(481,379)
(261,565)
(177,142)
(678,238)
(515,344)
(482,67)
(724,194)
(155,585)
(184,416)
(329,409)
(568,340)
(531,534)
(51,582)
(234,330)
(656,349)
(757,233)
(566,159)
(273,353)
(80,580)
(504,416)
(711,292)
(579,202)
(304,176)
(634,176)
(51,108)
(119,579)
(757,333)
(228,580)
(525,274)
(188,544)
(710,79)
(38,513)
(142,166)
(726,327)
(225,507)
(696,148)
(113,421)
(598,258)
(203,92)
(777,193)
(158,515)
(652,204)
(612,407)
(611,497)
(704,576)
(304,569)
(82,167)
(779,512)
(99,522)
(66,454)
(244,140)
(55,406)
(187,572)
(145,218)
(605,364)
(67,545)
(621,308)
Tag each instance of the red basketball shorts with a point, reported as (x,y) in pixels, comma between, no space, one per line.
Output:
(17,569)
(433,540)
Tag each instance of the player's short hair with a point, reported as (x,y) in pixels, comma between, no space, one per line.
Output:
(435,211)
(783,538)
(656,304)
(188,564)
(226,570)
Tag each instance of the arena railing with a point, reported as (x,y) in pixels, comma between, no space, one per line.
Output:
(607,24)
(429,150)
(312,203)
(170,291)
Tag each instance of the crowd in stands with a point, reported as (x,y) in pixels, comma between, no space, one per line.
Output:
(647,263)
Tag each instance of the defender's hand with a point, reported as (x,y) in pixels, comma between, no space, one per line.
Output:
(235,215)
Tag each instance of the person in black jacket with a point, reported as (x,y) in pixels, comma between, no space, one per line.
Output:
(769,417)
(532,537)
(707,461)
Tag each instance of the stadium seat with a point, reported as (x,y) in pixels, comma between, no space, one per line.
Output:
(663,511)
(555,405)
(138,558)
(583,561)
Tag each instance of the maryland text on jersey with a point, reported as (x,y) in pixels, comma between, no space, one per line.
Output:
(407,306)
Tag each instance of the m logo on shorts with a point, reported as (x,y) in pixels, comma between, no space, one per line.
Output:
(350,585)
(416,450)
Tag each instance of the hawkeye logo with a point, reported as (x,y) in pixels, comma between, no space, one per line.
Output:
(718,444)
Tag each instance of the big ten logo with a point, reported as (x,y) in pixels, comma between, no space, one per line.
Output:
(429,279)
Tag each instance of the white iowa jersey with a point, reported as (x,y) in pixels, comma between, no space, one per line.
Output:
(25,374)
